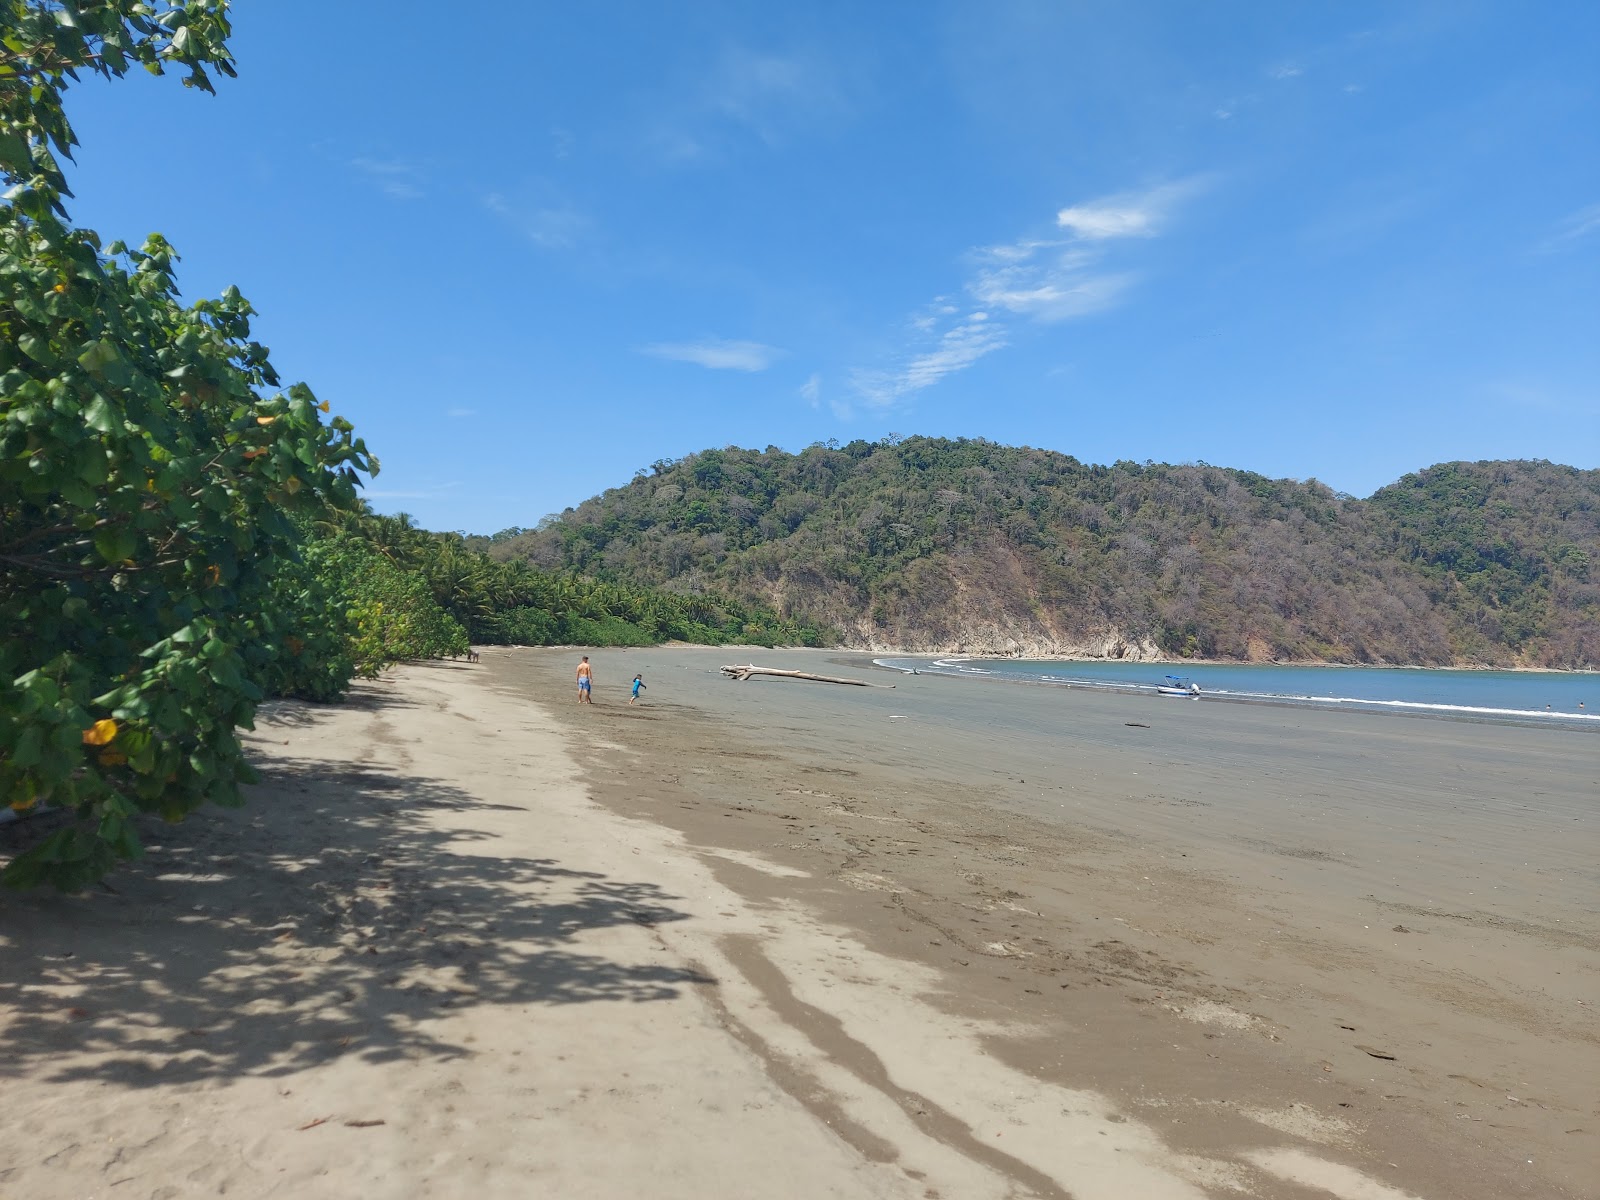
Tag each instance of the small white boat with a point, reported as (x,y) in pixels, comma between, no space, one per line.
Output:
(1177,686)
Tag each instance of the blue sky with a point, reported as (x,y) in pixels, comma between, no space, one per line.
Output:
(531,248)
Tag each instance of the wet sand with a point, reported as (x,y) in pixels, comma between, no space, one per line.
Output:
(1373,935)
(790,940)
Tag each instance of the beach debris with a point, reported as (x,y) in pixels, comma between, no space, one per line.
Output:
(1210,1012)
(1401,929)
(745,672)
(312,1124)
(1136,725)
(365,1124)
(1383,1054)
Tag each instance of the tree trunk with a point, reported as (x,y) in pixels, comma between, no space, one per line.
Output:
(743,673)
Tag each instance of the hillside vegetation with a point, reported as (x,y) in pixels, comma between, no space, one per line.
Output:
(931,544)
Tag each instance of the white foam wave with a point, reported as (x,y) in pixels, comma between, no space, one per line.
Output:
(957,666)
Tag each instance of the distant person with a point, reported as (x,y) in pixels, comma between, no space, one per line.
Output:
(638,686)
(585,682)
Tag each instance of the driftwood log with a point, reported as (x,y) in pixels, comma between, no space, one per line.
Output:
(744,672)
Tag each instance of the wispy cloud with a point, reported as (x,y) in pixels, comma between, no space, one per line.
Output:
(1040,279)
(811,392)
(1232,106)
(393,177)
(751,84)
(1285,70)
(955,350)
(746,92)
(1127,214)
(548,226)
(717,354)
(1049,281)
(459,413)
(772,94)
(1366,213)
(1572,228)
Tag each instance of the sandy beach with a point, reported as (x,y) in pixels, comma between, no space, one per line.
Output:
(789,939)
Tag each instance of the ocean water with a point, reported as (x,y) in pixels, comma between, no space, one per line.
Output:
(1567,698)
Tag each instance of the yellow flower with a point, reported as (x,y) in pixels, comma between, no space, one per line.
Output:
(100,733)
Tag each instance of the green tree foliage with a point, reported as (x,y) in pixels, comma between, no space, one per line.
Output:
(389,612)
(45,44)
(924,542)
(1508,550)
(149,473)
(500,602)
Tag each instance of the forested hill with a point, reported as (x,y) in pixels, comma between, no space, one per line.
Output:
(931,544)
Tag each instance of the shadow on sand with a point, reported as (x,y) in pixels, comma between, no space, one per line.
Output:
(328,917)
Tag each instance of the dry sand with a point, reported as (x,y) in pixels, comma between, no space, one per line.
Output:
(781,939)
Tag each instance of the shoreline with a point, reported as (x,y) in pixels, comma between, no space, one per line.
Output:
(1215,662)
(1085,658)
(1577,722)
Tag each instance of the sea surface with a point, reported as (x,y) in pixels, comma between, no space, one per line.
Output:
(1567,698)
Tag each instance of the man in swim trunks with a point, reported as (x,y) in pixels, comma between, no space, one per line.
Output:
(585,681)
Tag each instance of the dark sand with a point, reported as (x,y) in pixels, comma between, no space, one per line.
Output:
(1377,934)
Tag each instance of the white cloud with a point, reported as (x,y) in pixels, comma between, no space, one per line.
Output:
(1041,279)
(1106,220)
(956,350)
(717,354)
(381,166)
(750,80)
(745,93)
(1286,70)
(550,227)
(1127,214)
(811,392)
(1049,281)
(769,93)
(393,177)
(1573,227)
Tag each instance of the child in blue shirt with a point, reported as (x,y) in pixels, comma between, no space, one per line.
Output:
(638,686)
